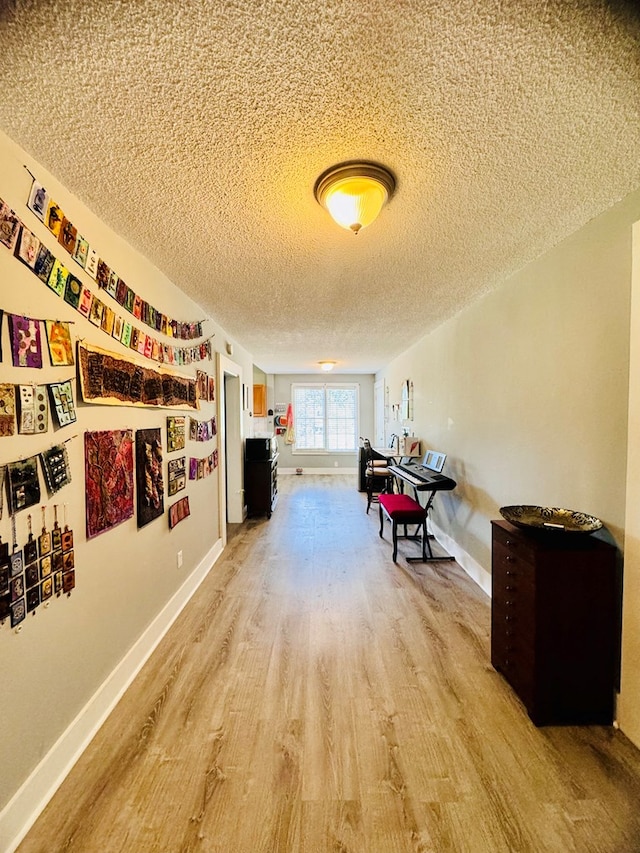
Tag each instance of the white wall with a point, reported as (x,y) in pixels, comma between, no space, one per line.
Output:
(526,390)
(282,395)
(126,576)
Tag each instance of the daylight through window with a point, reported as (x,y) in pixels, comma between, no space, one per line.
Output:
(325,418)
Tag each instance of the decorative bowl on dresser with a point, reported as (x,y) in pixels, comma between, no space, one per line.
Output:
(554,622)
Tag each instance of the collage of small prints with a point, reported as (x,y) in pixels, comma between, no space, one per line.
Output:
(122,469)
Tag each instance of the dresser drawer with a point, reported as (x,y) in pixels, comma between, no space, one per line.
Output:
(515,544)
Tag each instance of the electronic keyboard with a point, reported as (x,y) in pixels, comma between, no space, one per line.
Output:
(423,481)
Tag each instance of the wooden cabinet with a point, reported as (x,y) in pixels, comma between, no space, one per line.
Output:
(260,401)
(261,485)
(554,625)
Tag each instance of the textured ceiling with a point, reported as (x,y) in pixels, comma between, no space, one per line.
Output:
(197,129)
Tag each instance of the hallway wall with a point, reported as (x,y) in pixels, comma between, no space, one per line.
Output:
(125,577)
(526,390)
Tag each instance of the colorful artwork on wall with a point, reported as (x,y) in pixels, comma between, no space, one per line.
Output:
(34,409)
(59,341)
(62,402)
(179,511)
(28,248)
(109,379)
(175,433)
(9,226)
(26,349)
(177,475)
(38,200)
(108,479)
(7,409)
(24,486)
(149,480)
(55,464)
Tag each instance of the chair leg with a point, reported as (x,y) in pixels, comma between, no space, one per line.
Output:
(369,493)
(425,541)
(381,520)
(394,527)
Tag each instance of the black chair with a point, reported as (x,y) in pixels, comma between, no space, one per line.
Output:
(379,478)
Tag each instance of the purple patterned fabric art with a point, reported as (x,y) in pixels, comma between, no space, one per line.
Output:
(26,348)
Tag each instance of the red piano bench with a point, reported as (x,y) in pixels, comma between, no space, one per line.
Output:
(402,509)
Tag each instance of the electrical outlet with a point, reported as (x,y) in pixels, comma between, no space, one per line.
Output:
(179,559)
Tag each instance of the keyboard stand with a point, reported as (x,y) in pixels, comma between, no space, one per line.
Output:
(427,555)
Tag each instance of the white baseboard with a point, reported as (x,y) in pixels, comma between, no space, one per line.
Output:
(21,812)
(286,471)
(475,571)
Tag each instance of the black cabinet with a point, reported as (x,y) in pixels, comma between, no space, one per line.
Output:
(261,485)
(554,625)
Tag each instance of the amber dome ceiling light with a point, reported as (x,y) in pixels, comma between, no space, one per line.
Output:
(354,193)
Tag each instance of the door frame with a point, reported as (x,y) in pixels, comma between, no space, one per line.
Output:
(230,443)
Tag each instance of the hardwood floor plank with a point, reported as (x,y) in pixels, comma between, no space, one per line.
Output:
(313,697)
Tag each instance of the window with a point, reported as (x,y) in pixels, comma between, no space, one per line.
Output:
(325,418)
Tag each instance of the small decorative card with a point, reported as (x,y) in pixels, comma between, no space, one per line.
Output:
(96,312)
(7,409)
(17,587)
(62,402)
(46,589)
(91,265)
(81,251)
(59,341)
(31,575)
(179,511)
(68,581)
(58,278)
(72,290)
(33,598)
(84,306)
(175,433)
(55,464)
(121,291)
(68,236)
(44,264)
(112,286)
(34,409)
(177,475)
(25,341)
(9,227)
(102,274)
(24,487)
(18,612)
(45,566)
(108,319)
(53,218)
(28,248)
(38,200)
(16,564)
(116,332)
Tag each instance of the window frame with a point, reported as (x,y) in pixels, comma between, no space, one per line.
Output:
(352,386)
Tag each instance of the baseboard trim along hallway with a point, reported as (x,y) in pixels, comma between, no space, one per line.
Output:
(28,802)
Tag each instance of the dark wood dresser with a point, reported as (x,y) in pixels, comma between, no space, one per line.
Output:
(554,625)
(261,485)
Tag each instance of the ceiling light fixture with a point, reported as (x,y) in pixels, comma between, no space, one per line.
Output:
(327,365)
(354,193)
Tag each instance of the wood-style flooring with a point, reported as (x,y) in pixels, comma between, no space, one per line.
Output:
(315,698)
